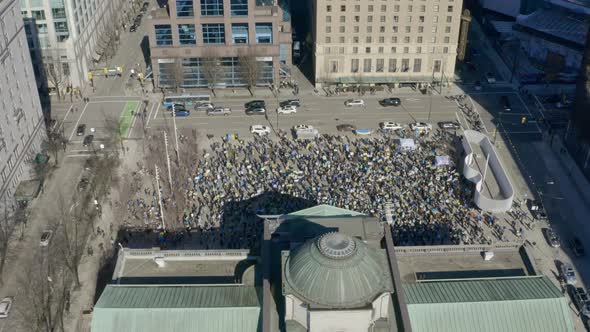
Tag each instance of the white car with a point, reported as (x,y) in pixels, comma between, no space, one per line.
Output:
(5,306)
(420,126)
(287,109)
(45,237)
(389,125)
(568,274)
(260,130)
(303,127)
(354,102)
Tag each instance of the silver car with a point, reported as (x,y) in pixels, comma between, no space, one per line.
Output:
(568,274)
(202,107)
(219,111)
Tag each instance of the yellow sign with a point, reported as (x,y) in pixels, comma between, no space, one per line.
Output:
(523,120)
(90,75)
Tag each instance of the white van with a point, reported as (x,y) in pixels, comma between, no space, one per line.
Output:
(305,132)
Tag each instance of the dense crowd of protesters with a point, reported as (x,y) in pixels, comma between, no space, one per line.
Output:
(236,180)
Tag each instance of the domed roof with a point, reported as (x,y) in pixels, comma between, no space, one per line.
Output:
(336,270)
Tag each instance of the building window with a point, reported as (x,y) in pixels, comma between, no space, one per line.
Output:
(418,49)
(354,65)
(357,8)
(65,69)
(447,40)
(239,7)
(381,39)
(213,33)
(392,66)
(395,29)
(356,28)
(184,8)
(380,50)
(417,65)
(355,50)
(369,29)
(406,39)
(342,19)
(409,19)
(396,19)
(367,50)
(449,19)
(396,8)
(406,49)
(394,39)
(367,65)
(410,8)
(394,50)
(163,34)
(419,39)
(239,33)
(433,40)
(342,29)
(38,14)
(343,8)
(434,29)
(383,8)
(445,50)
(435,8)
(380,65)
(328,29)
(436,68)
(186,34)
(328,8)
(369,39)
(408,29)
(263,33)
(369,19)
(212,7)
(450,9)
(405,65)
(382,29)
(447,29)
(370,8)
(382,19)
(420,29)
(333,66)
(58,13)
(328,19)
(434,19)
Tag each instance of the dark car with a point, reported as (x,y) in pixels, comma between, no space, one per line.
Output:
(88,140)
(83,184)
(577,247)
(505,103)
(133,28)
(255,111)
(255,104)
(581,300)
(81,130)
(182,112)
(177,108)
(390,102)
(290,102)
(449,125)
(552,237)
(346,127)
(537,209)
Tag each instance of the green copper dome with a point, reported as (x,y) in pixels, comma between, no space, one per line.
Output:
(336,271)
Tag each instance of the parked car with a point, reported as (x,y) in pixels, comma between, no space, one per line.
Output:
(490,78)
(505,103)
(354,102)
(568,274)
(581,300)
(256,111)
(88,140)
(260,130)
(291,102)
(133,28)
(449,125)
(45,238)
(225,111)
(255,104)
(287,109)
(81,130)
(204,107)
(577,247)
(389,125)
(363,132)
(176,107)
(302,127)
(536,209)
(5,306)
(182,112)
(552,238)
(420,126)
(477,86)
(390,102)
(345,127)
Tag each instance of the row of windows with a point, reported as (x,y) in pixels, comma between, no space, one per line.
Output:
(381,50)
(57,13)
(213,34)
(231,73)
(185,8)
(379,66)
(394,39)
(395,19)
(408,29)
(396,8)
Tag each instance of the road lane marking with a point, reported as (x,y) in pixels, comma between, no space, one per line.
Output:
(77,122)
(150,115)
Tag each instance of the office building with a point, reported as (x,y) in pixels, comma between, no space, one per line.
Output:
(378,42)
(22,124)
(68,34)
(220,43)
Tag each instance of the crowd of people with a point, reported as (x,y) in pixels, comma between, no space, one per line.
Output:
(234,181)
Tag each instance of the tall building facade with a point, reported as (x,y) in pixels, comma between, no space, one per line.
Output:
(385,42)
(67,33)
(186,35)
(22,123)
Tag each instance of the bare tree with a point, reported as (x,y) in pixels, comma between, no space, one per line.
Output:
(10,219)
(43,292)
(72,229)
(109,41)
(55,73)
(177,75)
(212,69)
(249,68)
(114,129)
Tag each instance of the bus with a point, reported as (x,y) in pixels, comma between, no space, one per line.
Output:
(186,99)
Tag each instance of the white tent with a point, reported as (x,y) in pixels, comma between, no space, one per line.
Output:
(407,144)
(442,161)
